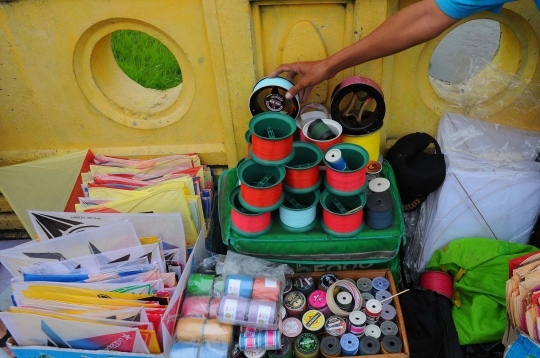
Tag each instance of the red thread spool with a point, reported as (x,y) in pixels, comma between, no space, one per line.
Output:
(271,139)
(245,222)
(302,173)
(247,136)
(261,186)
(437,281)
(341,224)
(352,180)
(266,288)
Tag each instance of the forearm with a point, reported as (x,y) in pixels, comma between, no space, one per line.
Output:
(410,26)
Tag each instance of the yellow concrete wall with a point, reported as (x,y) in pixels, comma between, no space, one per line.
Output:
(61,90)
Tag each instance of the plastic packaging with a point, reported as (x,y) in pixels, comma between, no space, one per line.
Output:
(491,190)
(200,306)
(199,350)
(202,330)
(204,285)
(249,312)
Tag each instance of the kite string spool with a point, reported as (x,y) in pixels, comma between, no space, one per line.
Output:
(271,149)
(437,281)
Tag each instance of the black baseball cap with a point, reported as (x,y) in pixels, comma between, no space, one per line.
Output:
(417,173)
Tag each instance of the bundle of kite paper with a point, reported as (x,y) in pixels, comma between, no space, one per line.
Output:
(176,183)
(101,289)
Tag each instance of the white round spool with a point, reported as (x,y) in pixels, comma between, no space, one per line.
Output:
(379,185)
(372,330)
(333,156)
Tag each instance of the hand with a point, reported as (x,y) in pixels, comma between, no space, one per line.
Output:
(311,72)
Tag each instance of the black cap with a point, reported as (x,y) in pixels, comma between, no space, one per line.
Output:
(417,173)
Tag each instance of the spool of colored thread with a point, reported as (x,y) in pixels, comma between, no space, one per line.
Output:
(239,285)
(286,350)
(271,138)
(364,285)
(330,347)
(232,309)
(267,340)
(388,313)
(327,280)
(389,328)
(304,284)
(335,159)
(199,330)
(373,168)
(266,288)
(292,328)
(342,215)
(213,350)
(379,185)
(380,283)
(357,323)
(373,331)
(288,286)
(200,285)
(282,312)
(200,306)
(351,288)
(373,311)
(350,280)
(317,301)
(246,222)
(365,298)
(313,321)
(335,326)
(306,346)
(262,314)
(352,180)
(302,173)
(299,211)
(184,349)
(319,130)
(439,282)
(295,303)
(391,345)
(259,353)
(379,211)
(219,286)
(369,346)
(344,300)
(384,295)
(349,345)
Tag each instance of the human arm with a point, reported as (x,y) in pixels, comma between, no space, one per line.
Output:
(415,24)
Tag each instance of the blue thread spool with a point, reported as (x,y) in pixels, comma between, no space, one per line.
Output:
(379,211)
(383,295)
(239,285)
(379,283)
(369,346)
(349,344)
(184,349)
(335,159)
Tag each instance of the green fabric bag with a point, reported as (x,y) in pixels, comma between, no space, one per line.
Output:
(480,271)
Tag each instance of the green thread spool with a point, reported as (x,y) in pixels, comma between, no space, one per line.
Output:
(320,131)
(200,285)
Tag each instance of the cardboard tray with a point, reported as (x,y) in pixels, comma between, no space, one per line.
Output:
(393,290)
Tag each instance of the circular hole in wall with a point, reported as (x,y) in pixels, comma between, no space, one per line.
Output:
(478,38)
(145,60)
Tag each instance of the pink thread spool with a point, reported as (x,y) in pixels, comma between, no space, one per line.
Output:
(317,301)
(200,306)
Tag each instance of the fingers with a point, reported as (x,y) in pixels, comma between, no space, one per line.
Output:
(305,93)
(281,69)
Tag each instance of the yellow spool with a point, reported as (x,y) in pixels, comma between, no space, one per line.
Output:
(370,142)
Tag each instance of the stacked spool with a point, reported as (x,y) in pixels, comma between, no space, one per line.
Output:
(343,200)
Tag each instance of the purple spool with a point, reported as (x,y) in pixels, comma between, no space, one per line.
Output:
(232,309)
(383,295)
(388,313)
(262,313)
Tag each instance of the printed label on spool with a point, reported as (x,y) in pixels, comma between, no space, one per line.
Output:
(307,343)
(303,282)
(292,327)
(295,300)
(230,309)
(313,320)
(259,353)
(263,314)
(234,287)
(288,286)
(327,280)
(335,326)
(270,282)
(317,299)
(274,102)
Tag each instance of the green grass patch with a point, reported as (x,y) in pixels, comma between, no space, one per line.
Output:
(145,60)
